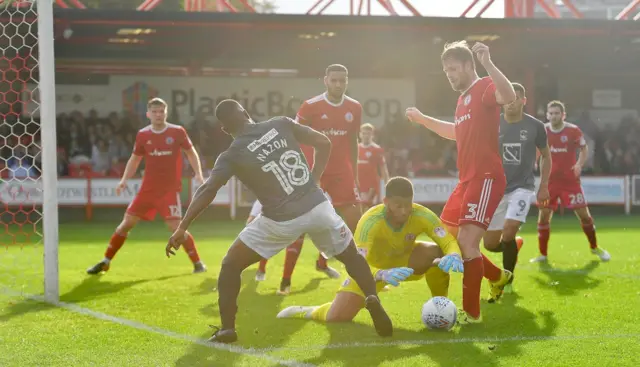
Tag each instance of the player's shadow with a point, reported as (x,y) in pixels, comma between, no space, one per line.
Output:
(568,282)
(253,331)
(471,343)
(98,286)
(89,288)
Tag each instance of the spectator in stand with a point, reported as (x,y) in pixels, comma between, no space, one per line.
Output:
(100,158)
(21,165)
(77,145)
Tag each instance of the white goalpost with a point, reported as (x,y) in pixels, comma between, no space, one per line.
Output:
(47,84)
(28,161)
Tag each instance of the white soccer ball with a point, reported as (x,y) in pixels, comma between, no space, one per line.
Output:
(439,313)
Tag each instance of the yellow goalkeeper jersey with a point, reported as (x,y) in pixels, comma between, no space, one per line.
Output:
(386,247)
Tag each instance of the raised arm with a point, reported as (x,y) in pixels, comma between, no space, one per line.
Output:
(504,93)
(320,143)
(445,129)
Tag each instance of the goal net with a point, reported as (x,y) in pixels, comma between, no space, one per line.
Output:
(28,182)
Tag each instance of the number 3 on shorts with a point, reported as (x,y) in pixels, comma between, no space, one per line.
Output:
(472,209)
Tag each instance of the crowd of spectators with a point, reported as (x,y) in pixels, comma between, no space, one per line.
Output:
(104,144)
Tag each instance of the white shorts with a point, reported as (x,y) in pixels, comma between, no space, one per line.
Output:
(324,226)
(255,209)
(514,205)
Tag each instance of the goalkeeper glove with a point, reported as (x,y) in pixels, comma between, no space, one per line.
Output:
(451,262)
(393,276)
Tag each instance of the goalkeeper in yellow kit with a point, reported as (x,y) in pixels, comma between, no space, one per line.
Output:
(386,236)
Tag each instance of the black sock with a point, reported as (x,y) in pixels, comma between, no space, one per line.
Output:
(499,248)
(510,255)
(229,282)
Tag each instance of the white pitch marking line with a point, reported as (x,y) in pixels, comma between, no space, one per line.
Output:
(156,330)
(448,341)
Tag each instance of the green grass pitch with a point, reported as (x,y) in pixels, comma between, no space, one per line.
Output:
(151,311)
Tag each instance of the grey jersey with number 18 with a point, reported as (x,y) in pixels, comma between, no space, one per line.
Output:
(518,143)
(266,157)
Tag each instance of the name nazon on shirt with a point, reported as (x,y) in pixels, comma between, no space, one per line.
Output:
(266,145)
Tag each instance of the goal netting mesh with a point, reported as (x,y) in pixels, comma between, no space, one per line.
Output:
(21,240)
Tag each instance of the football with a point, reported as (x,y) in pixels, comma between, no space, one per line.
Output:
(439,313)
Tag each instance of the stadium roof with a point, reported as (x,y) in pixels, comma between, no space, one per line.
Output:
(393,44)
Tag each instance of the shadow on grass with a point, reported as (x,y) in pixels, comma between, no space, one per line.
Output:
(253,309)
(568,282)
(91,287)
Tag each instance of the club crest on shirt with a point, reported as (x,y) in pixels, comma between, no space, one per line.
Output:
(440,232)
(368,154)
(169,140)
(523,135)
(564,138)
(348,116)
(410,237)
(467,100)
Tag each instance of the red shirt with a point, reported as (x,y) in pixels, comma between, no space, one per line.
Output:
(162,152)
(370,162)
(564,145)
(339,122)
(477,122)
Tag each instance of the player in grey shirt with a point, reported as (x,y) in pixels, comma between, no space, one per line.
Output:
(521,137)
(266,157)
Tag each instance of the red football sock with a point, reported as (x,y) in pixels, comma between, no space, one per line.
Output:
(589,230)
(491,271)
(262,266)
(291,258)
(471,282)
(543,237)
(322,262)
(117,240)
(190,249)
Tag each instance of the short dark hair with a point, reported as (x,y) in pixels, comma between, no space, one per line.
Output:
(558,104)
(225,108)
(517,87)
(459,51)
(336,67)
(154,102)
(399,187)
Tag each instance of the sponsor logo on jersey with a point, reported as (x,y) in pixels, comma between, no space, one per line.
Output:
(160,153)
(512,153)
(334,132)
(463,118)
(263,140)
(553,149)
